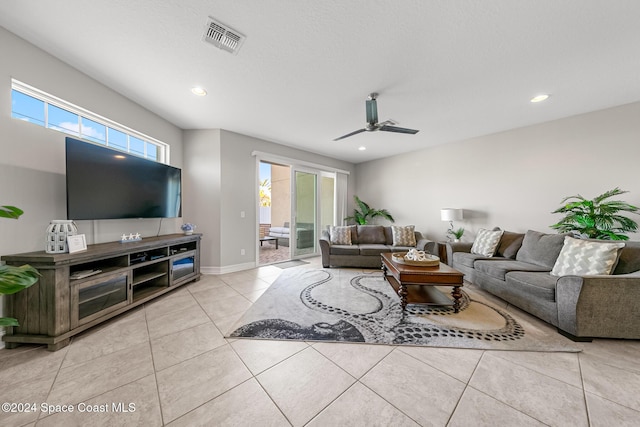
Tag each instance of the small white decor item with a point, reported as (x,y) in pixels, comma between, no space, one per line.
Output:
(416,257)
(57,233)
(77,243)
(188,228)
(130,238)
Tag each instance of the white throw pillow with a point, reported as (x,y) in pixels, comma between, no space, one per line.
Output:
(486,242)
(586,257)
(403,236)
(340,235)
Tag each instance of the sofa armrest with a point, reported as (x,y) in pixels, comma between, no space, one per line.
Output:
(599,306)
(325,249)
(456,247)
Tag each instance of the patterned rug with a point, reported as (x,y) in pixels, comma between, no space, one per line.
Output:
(344,305)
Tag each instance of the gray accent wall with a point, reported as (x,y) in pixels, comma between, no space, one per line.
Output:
(512,179)
(222,182)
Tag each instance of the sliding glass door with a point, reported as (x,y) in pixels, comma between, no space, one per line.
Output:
(304,213)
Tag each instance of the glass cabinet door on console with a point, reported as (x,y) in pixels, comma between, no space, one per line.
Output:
(183,267)
(98,296)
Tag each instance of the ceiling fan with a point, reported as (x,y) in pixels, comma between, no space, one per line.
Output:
(372,121)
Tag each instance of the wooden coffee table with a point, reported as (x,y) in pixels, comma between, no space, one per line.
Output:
(415,284)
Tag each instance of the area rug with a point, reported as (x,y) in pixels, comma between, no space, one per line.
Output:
(343,305)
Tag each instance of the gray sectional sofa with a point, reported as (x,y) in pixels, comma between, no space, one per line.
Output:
(581,307)
(367,243)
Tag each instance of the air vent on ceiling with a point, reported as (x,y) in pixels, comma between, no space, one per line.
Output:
(222,36)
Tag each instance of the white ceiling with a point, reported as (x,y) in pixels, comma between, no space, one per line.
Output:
(454,69)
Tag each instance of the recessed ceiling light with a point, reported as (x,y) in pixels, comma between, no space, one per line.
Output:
(540,98)
(198,91)
(362,148)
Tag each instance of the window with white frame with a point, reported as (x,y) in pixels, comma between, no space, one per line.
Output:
(40,108)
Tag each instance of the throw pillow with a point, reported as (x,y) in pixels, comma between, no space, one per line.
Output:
(586,257)
(340,235)
(540,248)
(486,242)
(403,236)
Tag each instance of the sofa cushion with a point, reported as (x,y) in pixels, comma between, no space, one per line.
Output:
(340,235)
(467,259)
(540,248)
(586,257)
(344,250)
(533,285)
(403,235)
(629,260)
(279,230)
(486,242)
(373,248)
(510,244)
(371,234)
(498,269)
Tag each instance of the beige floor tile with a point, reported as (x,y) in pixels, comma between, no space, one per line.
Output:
(221,308)
(187,385)
(561,366)
(359,406)
(605,413)
(619,353)
(134,404)
(459,363)
(224,324)
(223,291)
(244,405)
(619,385)
(539,396)
(84,381)
(180,346)
(206,282)
(169,303)
(479,410)
(175,321)
(34,391)
(118,334)
(249,286)
(260,355)
(356,359)
(23,366)
(304,384)
(253,296)
(237,277)
(423,393)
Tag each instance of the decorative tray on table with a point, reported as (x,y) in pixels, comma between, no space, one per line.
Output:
(416,257)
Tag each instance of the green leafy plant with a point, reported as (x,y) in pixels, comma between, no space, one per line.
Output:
(598,218)
(363,213)
(14,279)
(457,234)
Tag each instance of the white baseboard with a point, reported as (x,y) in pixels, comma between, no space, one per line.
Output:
(228,268)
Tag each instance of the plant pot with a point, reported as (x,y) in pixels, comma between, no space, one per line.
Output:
(188,232)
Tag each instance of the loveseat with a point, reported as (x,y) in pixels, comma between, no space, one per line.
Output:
(304,235)
(365,243)
(529,271)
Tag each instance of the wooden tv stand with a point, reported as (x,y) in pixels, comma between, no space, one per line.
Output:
(114,278)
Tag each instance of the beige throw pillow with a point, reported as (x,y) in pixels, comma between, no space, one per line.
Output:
(340,235)
(486,242)
(403,236)
(586,257)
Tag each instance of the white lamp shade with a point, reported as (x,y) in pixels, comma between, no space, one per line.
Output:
(450,214)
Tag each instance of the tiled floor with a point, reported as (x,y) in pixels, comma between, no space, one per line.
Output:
(269,254)
(169,364)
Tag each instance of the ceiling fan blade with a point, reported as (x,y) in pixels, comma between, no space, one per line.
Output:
(350,134)
(398,129)
(372,110)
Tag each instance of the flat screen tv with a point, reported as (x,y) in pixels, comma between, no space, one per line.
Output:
(107,184)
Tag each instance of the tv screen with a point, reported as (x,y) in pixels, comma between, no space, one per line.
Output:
(107,184)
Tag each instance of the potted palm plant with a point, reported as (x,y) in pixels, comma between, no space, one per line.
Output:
(363,213)
(14,279)
(599,218)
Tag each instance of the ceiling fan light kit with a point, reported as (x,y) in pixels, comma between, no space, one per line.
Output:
(373,125)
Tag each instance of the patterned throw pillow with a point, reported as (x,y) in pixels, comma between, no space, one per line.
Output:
(340,235)
(403,236)
(586,257)
(486,242)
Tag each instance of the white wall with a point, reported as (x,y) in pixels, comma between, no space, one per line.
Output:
(220,196)
(513,179)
